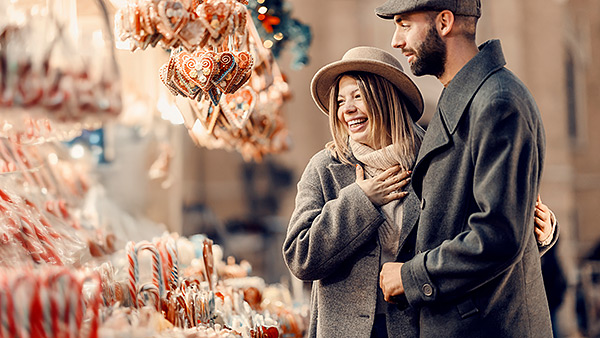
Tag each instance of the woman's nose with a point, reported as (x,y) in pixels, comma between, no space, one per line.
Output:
(349,107)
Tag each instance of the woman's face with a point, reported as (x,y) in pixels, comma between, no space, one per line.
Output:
(352,111)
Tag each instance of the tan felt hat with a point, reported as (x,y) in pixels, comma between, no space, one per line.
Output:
(369,60)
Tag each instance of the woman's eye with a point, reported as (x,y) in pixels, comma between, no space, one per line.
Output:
(339,103)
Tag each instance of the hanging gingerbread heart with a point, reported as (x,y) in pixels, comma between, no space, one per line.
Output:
(172,17)
(227,70)
(244,62)
(208,68)
(214,15)
(189,67)
(238,106)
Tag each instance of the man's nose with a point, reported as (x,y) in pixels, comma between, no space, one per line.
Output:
(398,40)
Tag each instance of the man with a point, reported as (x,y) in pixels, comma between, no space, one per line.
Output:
(476,271)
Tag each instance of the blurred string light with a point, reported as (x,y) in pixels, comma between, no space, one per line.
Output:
(77,151)
(277,29)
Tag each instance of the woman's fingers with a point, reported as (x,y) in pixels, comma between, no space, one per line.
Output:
(396,196)
(360,174)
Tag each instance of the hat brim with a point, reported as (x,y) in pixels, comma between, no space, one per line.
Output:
(325,77)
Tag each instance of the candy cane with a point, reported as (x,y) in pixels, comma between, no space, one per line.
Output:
(36,310)
(20,326)
(107,284)
(50,250)
(94,303)
(174,262)
(3,307)
(152,289)
(133,272)
(156,264)
(167,263)
(8,322)
(183,304)
(58,304)
(75,294)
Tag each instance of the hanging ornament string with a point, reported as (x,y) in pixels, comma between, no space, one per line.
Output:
(250,120)
(187,24)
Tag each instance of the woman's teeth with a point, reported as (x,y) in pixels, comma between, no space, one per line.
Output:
(356,122)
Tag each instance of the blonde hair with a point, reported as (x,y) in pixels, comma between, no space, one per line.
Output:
(389,120)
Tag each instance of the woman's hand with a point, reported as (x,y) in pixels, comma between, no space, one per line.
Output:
(544,220)
(385,187)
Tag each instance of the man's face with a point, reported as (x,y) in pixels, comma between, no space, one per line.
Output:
(420,42)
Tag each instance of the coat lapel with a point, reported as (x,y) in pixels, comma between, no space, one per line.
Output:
(437,136)
(410,216)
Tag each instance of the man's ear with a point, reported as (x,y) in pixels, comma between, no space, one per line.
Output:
(444,22)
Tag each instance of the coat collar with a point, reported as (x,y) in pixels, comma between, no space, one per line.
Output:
(457,96)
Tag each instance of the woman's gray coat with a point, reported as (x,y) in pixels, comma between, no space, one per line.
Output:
(332,241)
(477,268)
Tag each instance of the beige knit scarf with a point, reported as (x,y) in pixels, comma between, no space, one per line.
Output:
(375,162)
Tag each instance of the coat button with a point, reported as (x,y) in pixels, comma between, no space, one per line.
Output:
(423,204)
(427,290)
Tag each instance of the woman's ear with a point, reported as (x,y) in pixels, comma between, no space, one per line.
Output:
(444,22)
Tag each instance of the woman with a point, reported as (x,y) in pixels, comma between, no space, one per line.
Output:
(346,225)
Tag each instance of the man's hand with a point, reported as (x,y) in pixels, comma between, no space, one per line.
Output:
(390,280)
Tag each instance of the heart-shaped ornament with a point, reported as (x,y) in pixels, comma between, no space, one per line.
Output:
(227,71)
(238,106)
(244,62)
(208,68)
(172,17)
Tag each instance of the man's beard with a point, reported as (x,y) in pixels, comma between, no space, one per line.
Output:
(430,56)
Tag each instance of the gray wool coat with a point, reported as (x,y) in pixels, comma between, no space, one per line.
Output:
(332,241)
(477,268)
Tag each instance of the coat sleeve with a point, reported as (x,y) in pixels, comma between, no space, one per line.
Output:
(323,234)
(505,153)
(544,248)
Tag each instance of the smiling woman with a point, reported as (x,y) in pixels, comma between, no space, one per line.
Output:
(340,228)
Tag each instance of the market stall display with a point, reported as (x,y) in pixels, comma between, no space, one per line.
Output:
(64,270)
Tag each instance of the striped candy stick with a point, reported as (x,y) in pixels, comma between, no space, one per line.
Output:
(75,295)
(36,310)
(93,304)
(20,325)
(156,265)
(166,262)
(173,255)
(152,289)
(58,282)
(132,272)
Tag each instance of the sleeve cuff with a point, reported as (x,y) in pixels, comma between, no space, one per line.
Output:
(418,287)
